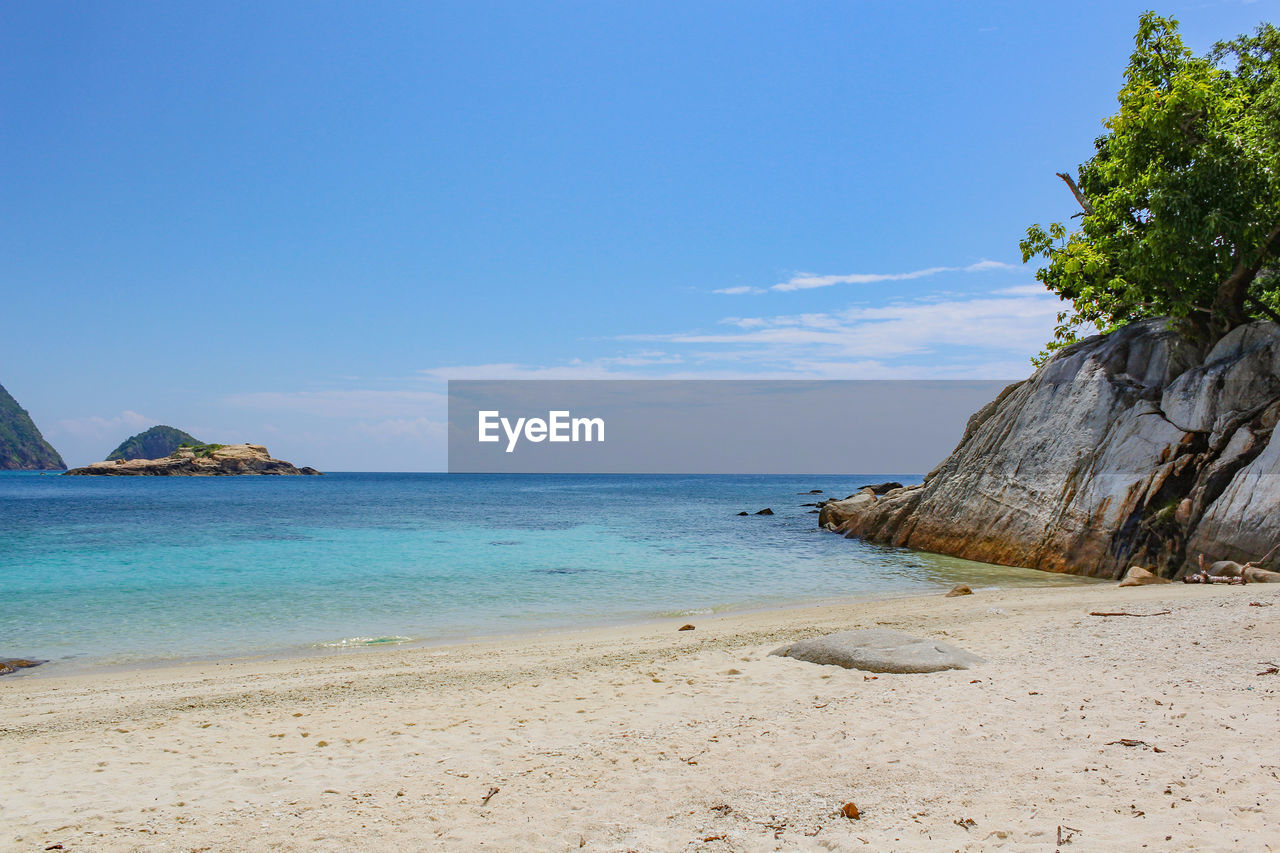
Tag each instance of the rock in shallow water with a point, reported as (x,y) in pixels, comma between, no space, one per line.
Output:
(880,650)
(14,664)
(880,488)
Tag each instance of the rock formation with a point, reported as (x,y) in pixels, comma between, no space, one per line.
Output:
(22,447)
(8,666)
(1138,447)
(204,460)
(1138,576)
(879,650)
(154,443)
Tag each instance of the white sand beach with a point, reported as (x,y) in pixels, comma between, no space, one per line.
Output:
(1080,733)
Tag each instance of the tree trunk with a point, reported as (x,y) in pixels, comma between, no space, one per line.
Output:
(1233,293)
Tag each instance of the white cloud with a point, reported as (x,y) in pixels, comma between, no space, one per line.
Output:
(344,404)
(984,265)
(95,427)
(947,332)
(1015,322)
(510,370)
(600,368)
(90,438)
(1024,290)
(809,281)
(404,428)
(934,336)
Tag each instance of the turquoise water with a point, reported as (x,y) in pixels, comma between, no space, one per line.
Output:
(132,570)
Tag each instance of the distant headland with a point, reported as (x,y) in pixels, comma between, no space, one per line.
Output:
(154,443)
(22,447)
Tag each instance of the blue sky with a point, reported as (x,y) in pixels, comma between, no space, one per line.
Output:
(289,223)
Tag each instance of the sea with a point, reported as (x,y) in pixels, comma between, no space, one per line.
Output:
(112,571)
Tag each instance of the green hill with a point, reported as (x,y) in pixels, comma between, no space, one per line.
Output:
(22,447)
(156,443)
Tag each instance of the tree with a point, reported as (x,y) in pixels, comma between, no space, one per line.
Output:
(1180,203)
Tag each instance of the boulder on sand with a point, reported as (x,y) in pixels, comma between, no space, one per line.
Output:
(1138,576)
(880,650)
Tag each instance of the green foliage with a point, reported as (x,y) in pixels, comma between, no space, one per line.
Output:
(22,447)
(1181,199)
(154,443)
(200,450)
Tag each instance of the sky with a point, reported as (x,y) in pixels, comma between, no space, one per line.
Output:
(291,222)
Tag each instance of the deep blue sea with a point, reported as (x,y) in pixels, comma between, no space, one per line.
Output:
(139,569)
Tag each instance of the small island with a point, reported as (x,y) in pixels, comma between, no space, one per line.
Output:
(197,460)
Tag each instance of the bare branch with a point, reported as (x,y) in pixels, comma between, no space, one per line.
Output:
(1075,191)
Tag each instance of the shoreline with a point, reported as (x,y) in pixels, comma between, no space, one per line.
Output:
(71,667)
(643,737)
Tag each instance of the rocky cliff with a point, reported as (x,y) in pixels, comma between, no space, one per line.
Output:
(152,444)
(1134,447)
(22,447)
(205,460)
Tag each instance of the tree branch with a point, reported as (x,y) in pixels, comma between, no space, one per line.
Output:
(1257,303)
(1075,191)
(1234,289)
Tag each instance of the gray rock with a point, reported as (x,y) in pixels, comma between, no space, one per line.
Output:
(1133,448)
(880,650)
(1139,576)
(839,511)
(881,488)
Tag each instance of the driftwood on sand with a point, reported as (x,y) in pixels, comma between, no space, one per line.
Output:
(1127,613)
(1231,572)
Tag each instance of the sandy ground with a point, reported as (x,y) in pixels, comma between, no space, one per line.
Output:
(653,739)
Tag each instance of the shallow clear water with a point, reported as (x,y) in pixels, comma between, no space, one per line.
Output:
(114,570)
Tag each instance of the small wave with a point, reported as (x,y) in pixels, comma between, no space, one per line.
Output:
(699,611)
(350,642)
